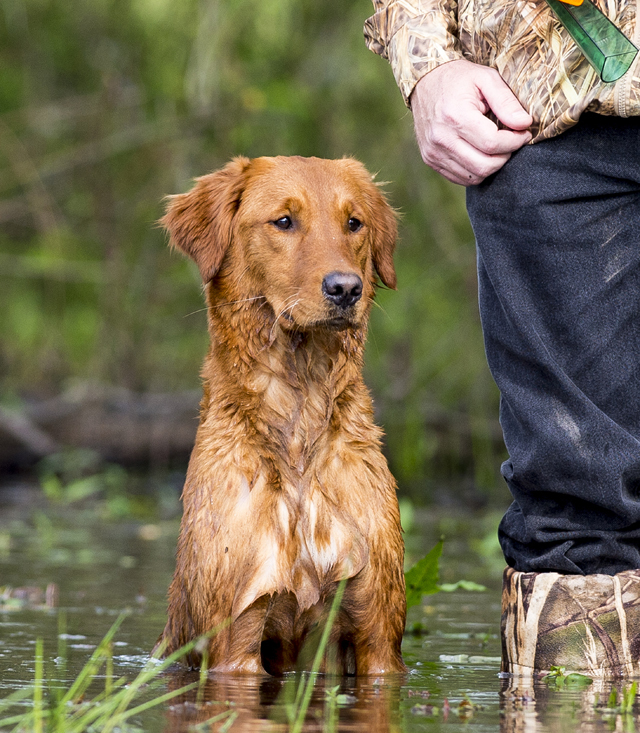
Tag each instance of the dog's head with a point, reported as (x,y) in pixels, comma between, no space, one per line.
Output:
(308,235)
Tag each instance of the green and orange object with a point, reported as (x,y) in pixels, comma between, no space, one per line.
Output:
(604,45)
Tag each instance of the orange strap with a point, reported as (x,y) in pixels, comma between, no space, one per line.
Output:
(572,2)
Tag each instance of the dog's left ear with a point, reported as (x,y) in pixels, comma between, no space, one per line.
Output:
(201,221)
(385,234)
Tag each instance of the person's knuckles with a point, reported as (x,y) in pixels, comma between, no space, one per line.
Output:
(441,137)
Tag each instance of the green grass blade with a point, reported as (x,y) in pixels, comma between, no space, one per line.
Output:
(206,724)
(15,697)
(37,689)
(152,703)
(302,704)
(149,672)
(93,665)
(5,722)
(110,707)
(232,717)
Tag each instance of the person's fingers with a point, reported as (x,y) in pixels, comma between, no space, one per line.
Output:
(483,134)
(462,163)
(454,135)
(503,102)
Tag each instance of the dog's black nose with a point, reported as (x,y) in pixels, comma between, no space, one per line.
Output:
(343,289)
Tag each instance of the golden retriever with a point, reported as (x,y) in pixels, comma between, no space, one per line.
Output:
(287,490)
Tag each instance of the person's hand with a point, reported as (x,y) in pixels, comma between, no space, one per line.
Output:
(455,138)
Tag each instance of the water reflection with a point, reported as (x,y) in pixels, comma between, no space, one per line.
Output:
(254,704)
(529,705)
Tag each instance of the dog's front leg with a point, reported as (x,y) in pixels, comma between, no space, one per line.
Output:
(376,602)
(237,649)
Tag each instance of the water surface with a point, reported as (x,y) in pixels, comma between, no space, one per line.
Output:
(95,568)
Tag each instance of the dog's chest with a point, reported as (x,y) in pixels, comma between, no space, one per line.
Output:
(299,543)
(294,415)
(289,514)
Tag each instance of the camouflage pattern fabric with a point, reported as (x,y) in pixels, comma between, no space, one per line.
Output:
(522,39)
(586,623)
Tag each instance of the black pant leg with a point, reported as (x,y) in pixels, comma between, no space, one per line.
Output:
(558,237)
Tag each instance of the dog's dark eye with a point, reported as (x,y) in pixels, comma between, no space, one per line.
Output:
(284,222)
(354,224)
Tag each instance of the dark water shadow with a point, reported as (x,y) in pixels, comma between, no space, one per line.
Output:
(255,703)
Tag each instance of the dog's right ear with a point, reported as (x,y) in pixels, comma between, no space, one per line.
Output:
(200,222)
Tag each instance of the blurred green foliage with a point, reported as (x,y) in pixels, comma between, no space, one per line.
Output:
(106,106)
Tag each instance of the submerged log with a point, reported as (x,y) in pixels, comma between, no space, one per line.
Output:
(120,425)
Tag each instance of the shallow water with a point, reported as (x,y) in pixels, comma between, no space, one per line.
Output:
(96,569)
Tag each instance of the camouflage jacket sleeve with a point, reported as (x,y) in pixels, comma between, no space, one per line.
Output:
(415,36)
(521,39)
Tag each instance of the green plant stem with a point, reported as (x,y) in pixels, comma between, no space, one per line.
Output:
(204,671)
(206,724)
(107,710)
(108,683)
(119,718)
(303,697)
(93,665)
(37,689)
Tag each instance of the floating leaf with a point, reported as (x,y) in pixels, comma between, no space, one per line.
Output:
(559,679)
(468,585)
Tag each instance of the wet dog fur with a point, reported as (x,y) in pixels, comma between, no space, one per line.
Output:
(287,490)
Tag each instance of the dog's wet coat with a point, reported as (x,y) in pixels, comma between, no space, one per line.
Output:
(287,490)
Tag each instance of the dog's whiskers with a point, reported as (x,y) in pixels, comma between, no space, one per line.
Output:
(287,306)
(243,300)
(377,305)
(193,313)
(239,277)
(230,302)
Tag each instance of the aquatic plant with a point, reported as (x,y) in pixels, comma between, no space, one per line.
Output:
(422,578)
(557,678)
(619,704)
(297,708)
(72,711)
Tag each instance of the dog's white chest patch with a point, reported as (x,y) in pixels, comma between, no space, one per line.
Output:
(301,551)
(324,551)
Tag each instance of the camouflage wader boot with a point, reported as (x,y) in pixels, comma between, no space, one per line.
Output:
(585,623)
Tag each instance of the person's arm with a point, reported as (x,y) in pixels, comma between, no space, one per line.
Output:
(415,36)
(449,96)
